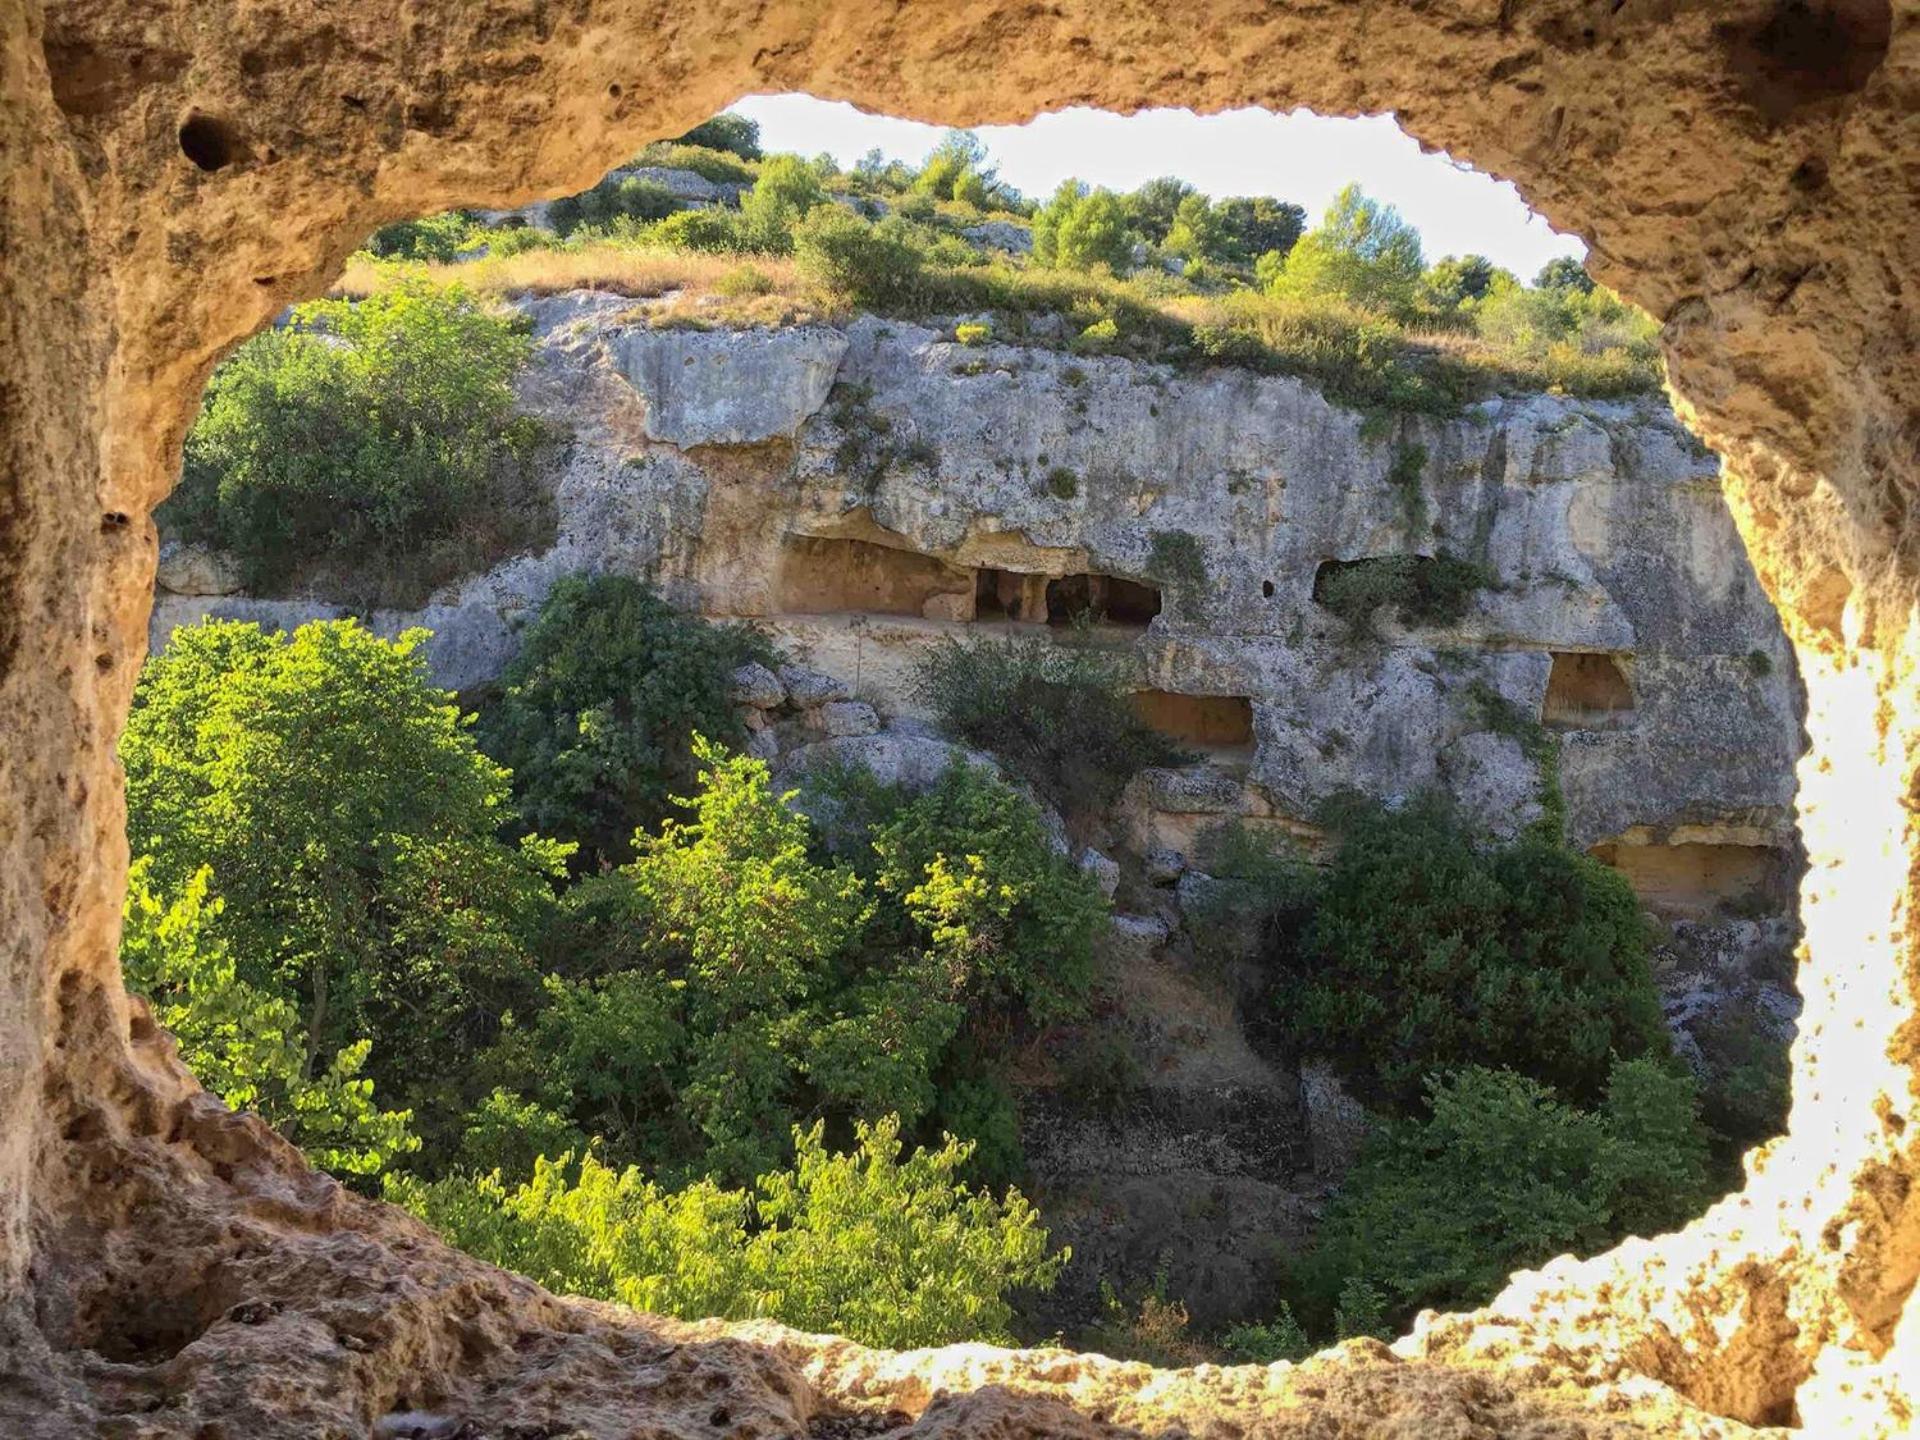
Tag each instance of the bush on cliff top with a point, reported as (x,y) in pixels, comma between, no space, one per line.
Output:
(375,443)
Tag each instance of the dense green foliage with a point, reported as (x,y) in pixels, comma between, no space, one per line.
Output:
(432,237)
(733,133)
(351,827)
(1419,951)
(889,1250)
(377,437)
(733,982)
(1061,716)
(630,197)
(597,710)
(1362,252)
(1079,229)
(1501,1174)
(246,1043)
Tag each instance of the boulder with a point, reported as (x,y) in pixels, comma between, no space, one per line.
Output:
(188,569)
(754,685)
(728,387)
(1103,870)
(810,689)
(845,719)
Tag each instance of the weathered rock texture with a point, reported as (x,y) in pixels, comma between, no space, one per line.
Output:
(175,176)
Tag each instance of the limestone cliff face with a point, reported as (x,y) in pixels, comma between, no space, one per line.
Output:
(863,492)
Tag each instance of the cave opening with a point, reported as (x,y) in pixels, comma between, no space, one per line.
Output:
(850,576)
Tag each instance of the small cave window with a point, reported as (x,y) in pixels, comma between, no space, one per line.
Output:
(1218,724)
(1101,599)
(1694,880)
(826,576)
(1586,690)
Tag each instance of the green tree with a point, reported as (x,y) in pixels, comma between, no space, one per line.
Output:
(1082,229)
(957,169)
(1151,209)
(243,1042)
(598,709)
(353,827)
(439,237)
(1425,949)
(733,133)
(1361,252)
(368,435)
(1563,272)
(1258,225)
(1197,231)
(1502,1174)
(890,1251)
(787,189)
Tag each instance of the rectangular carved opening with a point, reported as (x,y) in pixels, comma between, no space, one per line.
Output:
(1696,880)
(1205,722)
(1101,600)
(833,577)
(1009,595)
(1586,691)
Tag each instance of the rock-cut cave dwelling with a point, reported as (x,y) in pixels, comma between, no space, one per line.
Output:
(1713,618)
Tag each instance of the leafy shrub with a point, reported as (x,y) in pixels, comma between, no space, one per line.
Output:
(1361,252)
(735,134)
(973,334)
(1421,589)
(1080,229)
(245,1043)
(630,197)
(1061,717)
(1501,1174)
(432,237)
(1356,356)
(598,709)
(378,437)
(353,830)
(1422,951)
(720,167)
(733,981)
(888,1250)
(972,864)
(1280,1338)
(788,188)
(707,231)
(867,265)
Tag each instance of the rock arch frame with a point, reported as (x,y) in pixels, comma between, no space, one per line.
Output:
(174,177)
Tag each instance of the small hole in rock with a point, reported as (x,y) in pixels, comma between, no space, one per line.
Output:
(1266,588)
(111,521)
(209,143)
(614,90)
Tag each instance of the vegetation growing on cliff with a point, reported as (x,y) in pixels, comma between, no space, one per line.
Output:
(1163,273)
(375,443)
(1062,717)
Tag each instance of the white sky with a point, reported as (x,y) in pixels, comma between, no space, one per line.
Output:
(1300,156)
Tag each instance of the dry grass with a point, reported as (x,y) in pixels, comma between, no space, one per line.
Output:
(617,269)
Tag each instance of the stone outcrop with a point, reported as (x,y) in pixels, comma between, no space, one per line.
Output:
(172,178)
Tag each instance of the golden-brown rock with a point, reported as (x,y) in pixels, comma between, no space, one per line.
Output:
(174,174)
